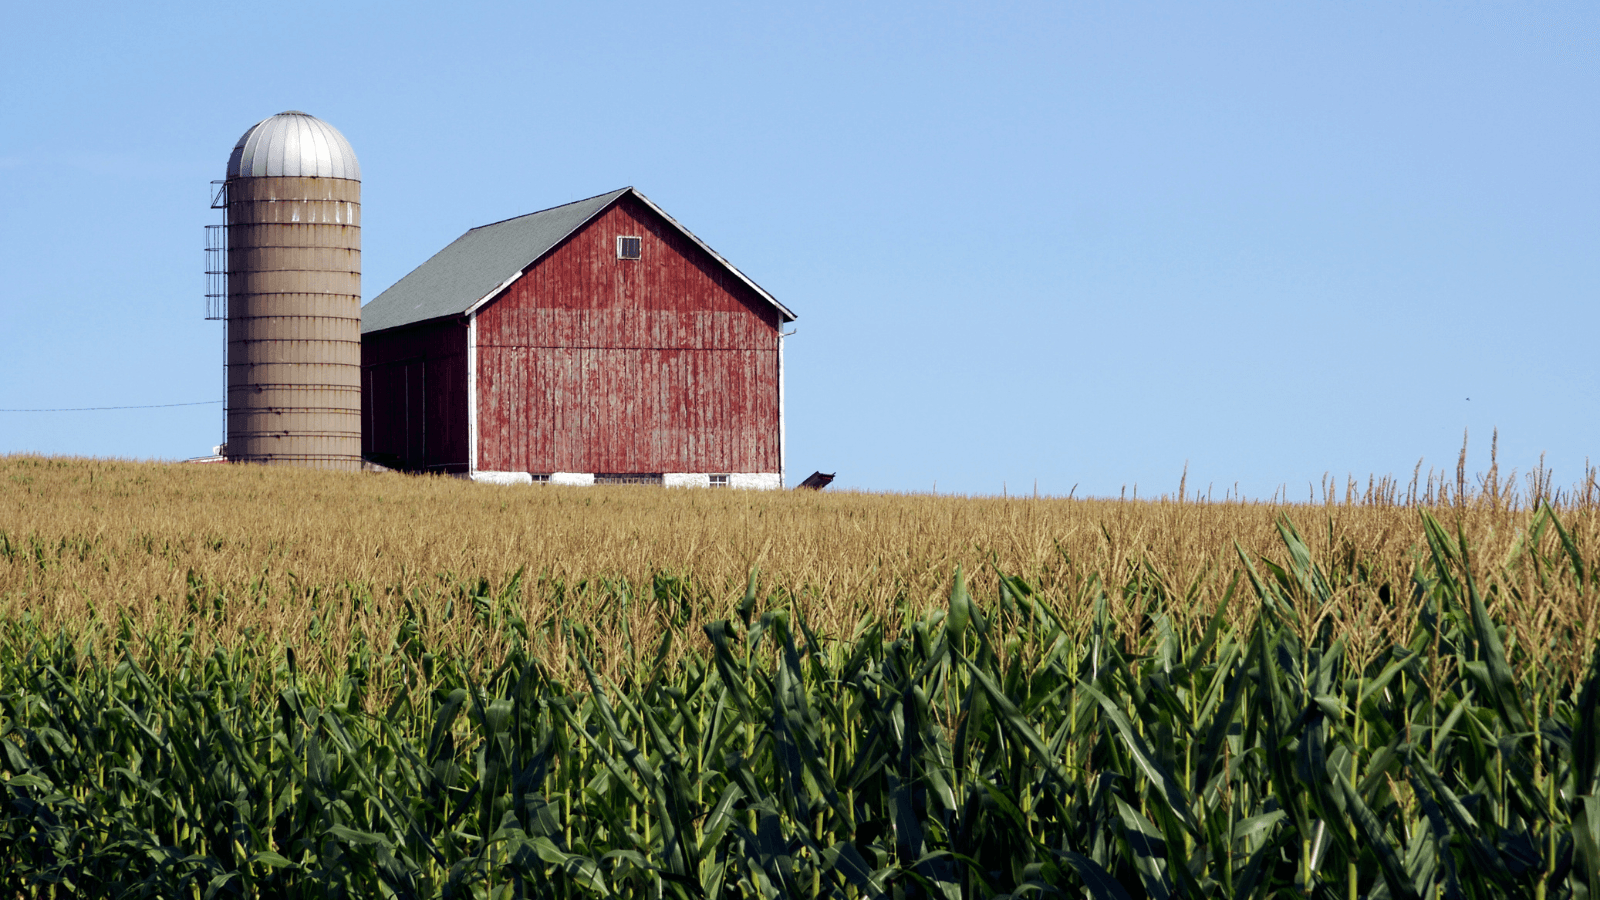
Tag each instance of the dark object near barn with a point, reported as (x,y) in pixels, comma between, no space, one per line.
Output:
(816,481)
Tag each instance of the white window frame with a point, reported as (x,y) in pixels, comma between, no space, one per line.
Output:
(629,237)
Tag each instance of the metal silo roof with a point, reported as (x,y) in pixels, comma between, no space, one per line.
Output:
(293,144)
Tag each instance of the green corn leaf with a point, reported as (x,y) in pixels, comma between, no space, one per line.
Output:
(1483,855)
(1579,570)
(1586,839)
(847,860)
(747,603)
(1015,722)
(269,859)
(721,817)
(1095,878)
(352,836)
(443,720)
(1248,829)
(1507,698)
(727,663)
(1374,839)
(1376,684)
(1163,781)
(672,800)
(1201,651)
(1306,573)
(1586,732)
(1248,883)
(1149,851)
(955,621)
(218,882)
(579,868)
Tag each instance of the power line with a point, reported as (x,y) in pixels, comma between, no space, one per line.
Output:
(101,408)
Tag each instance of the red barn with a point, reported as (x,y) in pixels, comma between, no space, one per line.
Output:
(598,341)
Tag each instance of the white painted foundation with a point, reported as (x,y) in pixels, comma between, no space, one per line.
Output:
(752,481)
(502,477)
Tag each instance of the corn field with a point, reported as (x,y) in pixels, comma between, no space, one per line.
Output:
(324,562)
(1399,702)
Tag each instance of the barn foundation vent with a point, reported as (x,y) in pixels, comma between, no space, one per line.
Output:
(628,478)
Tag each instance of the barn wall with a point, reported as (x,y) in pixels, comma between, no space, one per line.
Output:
(414,396)
(589,363)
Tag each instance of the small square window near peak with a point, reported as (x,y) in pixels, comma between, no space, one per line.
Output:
(628,247)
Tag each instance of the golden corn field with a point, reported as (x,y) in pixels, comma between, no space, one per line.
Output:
(309,559)
(243,681)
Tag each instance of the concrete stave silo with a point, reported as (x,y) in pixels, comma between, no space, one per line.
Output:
(294,296)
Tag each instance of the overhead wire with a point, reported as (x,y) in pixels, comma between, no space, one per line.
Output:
(102,408)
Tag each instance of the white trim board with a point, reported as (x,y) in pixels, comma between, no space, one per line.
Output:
(473,309)
(472,394)
(783,435)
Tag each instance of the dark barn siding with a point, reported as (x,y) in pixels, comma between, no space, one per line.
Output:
(589,363)
(414,396)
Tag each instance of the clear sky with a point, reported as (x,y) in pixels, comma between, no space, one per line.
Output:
(1071,244)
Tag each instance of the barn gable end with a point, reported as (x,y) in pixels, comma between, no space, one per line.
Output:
(583,362)
(664,364)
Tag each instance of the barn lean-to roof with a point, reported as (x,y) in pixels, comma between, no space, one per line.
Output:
(477,266)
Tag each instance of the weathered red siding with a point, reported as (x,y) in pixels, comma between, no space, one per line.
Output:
(589,363)
(414,396)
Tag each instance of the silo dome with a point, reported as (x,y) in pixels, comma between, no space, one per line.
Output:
(293,144)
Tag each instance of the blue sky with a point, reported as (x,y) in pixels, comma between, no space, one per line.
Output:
(1079,244)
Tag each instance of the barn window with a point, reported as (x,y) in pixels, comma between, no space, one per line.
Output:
(628,247)
(541,478)
(719,481)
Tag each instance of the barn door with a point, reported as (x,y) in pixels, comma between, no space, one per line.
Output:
(416,414)
(396,395)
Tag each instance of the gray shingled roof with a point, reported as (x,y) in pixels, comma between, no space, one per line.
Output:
(488,258)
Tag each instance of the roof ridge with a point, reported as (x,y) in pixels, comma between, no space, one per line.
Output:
(550,209)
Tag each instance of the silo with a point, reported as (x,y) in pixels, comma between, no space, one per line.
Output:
(294,295)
